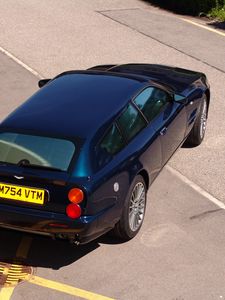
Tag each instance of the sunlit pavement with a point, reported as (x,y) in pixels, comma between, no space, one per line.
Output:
(179,253)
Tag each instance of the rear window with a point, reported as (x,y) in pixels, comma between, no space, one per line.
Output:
(37,150)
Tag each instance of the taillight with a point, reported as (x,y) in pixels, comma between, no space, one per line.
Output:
(73,211)
(76,195)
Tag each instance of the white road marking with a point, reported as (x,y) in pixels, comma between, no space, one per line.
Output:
(203,26)
(196,187)
(183,178)
(18,61)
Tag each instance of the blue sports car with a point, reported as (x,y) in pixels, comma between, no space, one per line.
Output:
(77,158)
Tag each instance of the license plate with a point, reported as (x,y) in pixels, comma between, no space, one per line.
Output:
(22,193)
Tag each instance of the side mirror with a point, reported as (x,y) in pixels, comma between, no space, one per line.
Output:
(43,82)
(180,98)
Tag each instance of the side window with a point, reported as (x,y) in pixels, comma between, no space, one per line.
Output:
(151,102)
(131,122)
(113,141)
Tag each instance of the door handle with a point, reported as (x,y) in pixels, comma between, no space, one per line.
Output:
(163,131)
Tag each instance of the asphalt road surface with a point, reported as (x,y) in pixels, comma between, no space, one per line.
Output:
(179,252)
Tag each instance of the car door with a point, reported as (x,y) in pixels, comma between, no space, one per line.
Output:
(141,147)
(167,117)
(141,138)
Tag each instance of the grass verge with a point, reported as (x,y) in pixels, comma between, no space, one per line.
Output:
(218,13)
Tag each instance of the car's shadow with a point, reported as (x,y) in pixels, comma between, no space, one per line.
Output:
(187,146)
(45,252)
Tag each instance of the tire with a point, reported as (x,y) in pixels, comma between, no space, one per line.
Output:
(197,133)
(133,211)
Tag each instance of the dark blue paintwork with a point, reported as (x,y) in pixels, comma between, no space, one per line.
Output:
(75,104)
(81,106)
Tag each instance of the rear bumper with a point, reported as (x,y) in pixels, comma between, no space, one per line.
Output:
(81,230)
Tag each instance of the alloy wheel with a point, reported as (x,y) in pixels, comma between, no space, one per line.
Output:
(137,206)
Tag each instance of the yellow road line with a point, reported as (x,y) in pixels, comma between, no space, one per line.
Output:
(6,293)
(24,247)
(64,288)
(203,26)
(22,252)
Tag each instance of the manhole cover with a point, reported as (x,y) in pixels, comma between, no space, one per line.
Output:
(12,274)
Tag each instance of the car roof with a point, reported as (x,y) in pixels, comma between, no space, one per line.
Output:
(75,103)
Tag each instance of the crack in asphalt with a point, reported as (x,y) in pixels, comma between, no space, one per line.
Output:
(205,214)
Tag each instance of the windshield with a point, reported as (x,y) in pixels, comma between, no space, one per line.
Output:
(36,150)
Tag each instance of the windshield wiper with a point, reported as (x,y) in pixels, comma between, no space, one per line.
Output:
(25,163)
